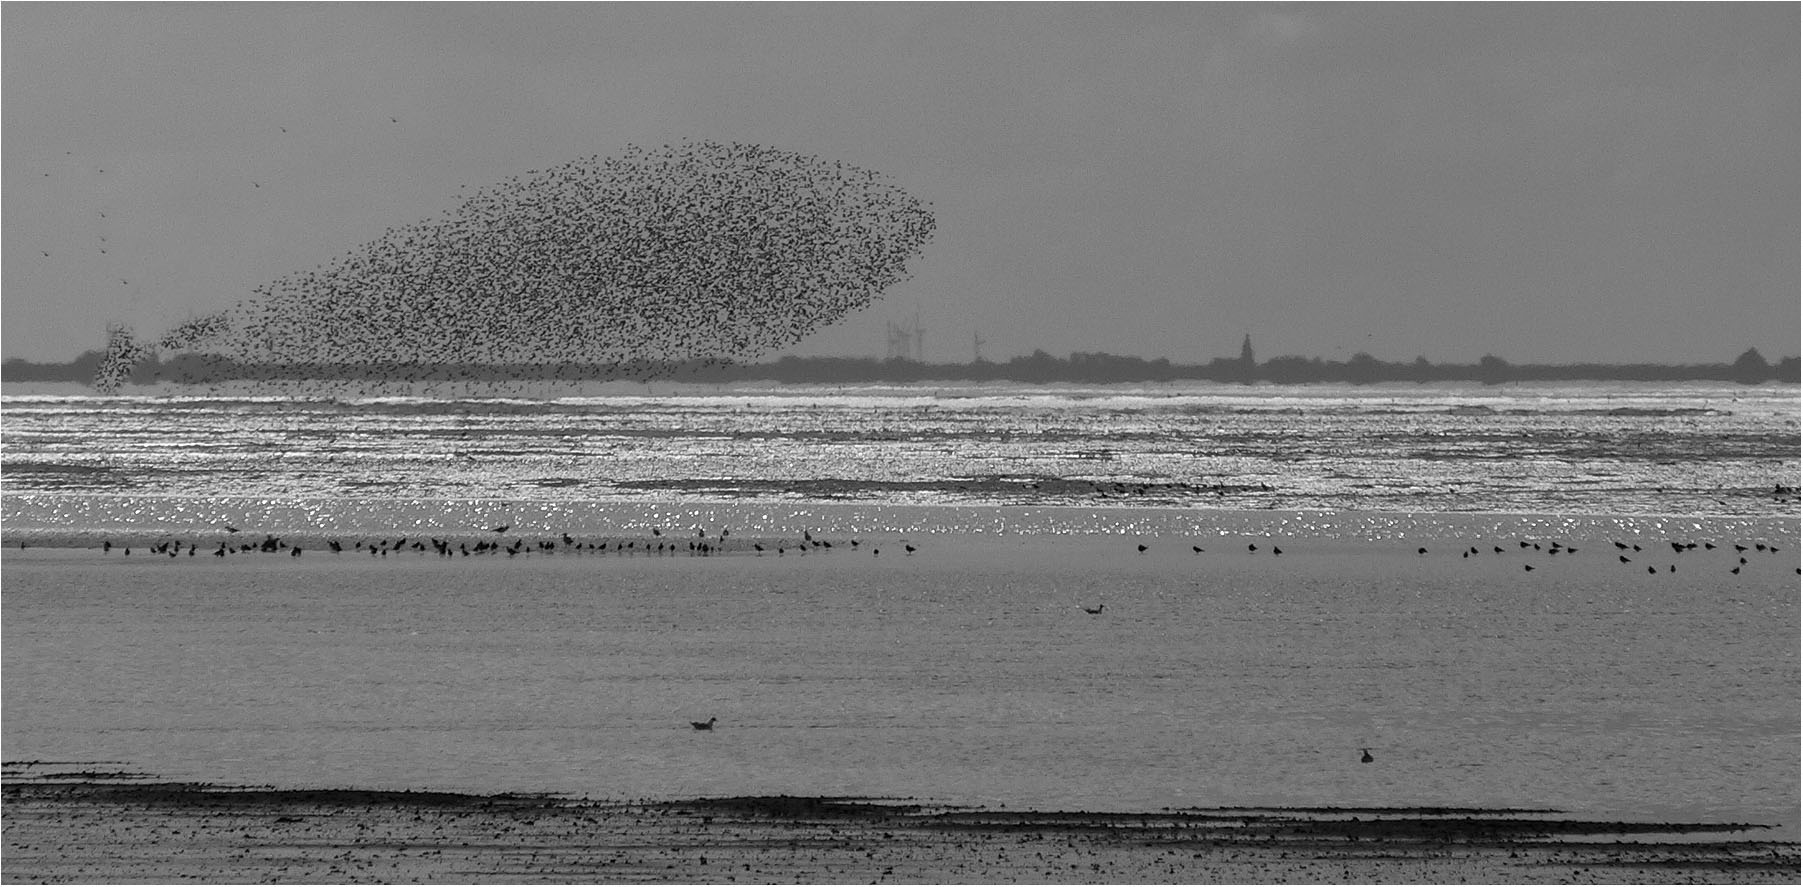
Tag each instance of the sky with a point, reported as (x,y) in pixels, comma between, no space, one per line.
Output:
(1543,183)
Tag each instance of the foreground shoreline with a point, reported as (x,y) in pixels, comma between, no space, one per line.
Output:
(87,823)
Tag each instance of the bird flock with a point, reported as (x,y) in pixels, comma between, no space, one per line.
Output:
(658,544)
(620,267)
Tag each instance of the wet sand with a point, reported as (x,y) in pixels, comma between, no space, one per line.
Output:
(84,823)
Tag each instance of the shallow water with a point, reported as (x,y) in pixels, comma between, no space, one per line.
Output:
(1621,449)
(966,673)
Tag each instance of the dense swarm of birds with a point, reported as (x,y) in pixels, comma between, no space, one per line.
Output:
(699,252)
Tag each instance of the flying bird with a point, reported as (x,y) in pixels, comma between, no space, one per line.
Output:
(636,266)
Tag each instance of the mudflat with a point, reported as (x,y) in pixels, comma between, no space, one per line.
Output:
(86,824)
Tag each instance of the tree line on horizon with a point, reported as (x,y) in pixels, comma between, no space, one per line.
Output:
(1088,367)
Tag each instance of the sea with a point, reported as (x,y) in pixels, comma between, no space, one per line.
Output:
(1459,590)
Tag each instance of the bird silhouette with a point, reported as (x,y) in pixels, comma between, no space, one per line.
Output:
(1365,756)
(1094,610)
(704,725)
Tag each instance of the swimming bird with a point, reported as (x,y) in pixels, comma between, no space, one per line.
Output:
(500,529)
(1196,548)
(704,725)
(1096,610)
(1365,756)
(1142,548)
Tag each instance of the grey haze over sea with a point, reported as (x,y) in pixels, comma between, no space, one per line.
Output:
(1480,670)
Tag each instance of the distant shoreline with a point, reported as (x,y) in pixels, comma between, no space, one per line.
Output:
(1750,368)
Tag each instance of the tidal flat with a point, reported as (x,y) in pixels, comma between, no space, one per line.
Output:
(79,823)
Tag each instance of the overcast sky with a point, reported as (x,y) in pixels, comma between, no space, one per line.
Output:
(1541,182)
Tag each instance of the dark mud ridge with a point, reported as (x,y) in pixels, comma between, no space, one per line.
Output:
(81,822)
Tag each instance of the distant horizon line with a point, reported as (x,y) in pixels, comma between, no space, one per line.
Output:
(1751,367)
(1036,353)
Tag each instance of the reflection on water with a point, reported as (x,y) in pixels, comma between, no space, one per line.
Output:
(967,673)
(1627,449)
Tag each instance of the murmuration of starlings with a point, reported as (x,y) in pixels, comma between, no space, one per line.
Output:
(700,252)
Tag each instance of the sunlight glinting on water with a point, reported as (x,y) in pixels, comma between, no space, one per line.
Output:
(1628,450)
